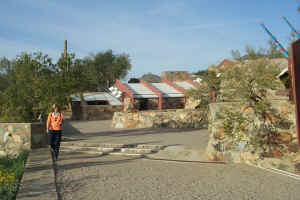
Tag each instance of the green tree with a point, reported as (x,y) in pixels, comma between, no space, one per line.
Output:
(273,51)
(236,55)
(250,80)
(201,73)
(105,67)
(30,83)
(251,84)
(134,80)
(251,53)
(209,87)
(27,86)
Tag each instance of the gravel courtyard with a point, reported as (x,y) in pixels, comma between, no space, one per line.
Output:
(82,176)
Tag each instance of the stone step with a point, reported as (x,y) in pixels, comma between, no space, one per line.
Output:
(112,145)
(84,152)
(150,146)
(137,151)
(82,144)
(104,150)
(101,149)
(107,145)
(104,153)
(126,154)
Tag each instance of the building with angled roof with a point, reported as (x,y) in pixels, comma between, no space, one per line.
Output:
(155,96)
(95,106)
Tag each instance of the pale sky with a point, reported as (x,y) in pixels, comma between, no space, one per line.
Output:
(158,35)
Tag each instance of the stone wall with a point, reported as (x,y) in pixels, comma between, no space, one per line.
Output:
(126,104)
(38,135)
(18,137)
(94,112)
(15,138)
(180,118)
(192,103)
(231,148)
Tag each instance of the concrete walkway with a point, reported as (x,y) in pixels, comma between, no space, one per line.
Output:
(38,181)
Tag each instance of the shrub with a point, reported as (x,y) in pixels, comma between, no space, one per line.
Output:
(11,172)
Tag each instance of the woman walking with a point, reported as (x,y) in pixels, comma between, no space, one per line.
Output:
(54,125)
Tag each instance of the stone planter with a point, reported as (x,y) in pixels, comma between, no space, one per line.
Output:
(18,137)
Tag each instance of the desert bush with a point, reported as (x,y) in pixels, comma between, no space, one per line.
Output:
(11,172)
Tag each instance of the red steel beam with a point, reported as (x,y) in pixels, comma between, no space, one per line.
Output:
(296,82)
(156,91)
(123,88)
(290,79)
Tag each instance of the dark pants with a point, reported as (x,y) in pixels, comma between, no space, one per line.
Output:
(54,142)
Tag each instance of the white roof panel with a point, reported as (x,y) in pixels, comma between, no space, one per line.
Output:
(140,91)
(95,96)
(167,90)
(185,85)
(282,72)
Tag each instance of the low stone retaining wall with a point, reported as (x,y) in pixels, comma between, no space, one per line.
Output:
(224,147)
(180,118)
(18,137)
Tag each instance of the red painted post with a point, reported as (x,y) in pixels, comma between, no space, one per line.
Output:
(296,82)
(156,91)
(179,89)
(290,79)
(123,88)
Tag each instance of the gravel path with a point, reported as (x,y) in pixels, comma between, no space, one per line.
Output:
(119,178)
(83,176)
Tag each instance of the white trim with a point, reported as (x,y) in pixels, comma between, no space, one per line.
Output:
(282,72)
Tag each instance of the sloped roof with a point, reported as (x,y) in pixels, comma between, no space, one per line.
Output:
(185,85)
(97,96)
(226,62)
(167,90)
(140,91)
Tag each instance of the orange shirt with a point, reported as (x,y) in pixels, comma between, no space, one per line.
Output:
(54,122)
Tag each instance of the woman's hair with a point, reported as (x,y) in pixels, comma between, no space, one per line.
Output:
(55,106)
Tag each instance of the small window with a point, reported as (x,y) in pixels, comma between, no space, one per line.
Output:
(99,102)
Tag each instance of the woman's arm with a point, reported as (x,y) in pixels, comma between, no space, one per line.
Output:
(48,123)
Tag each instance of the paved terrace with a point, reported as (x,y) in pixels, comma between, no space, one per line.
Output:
(82,176)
